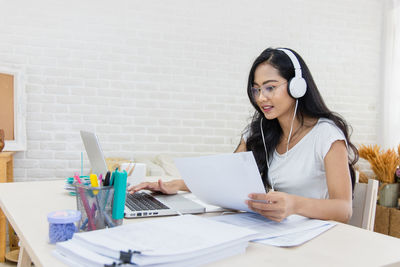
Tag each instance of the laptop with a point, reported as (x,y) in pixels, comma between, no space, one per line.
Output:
(143,203)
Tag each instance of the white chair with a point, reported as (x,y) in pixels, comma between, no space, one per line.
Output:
(364,204)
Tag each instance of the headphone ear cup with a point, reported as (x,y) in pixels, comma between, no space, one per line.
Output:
(297,87)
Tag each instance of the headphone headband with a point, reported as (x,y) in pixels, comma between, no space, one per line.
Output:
(295,61)
(297,85)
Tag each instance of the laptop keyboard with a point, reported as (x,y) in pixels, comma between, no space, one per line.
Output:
(141,201)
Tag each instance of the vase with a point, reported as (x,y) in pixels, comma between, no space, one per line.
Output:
(2,142)
(389,195)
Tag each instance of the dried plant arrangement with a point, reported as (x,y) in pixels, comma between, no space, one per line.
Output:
(383,163)
(363,177)
(398,152)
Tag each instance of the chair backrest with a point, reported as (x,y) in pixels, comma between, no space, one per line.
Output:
(364,204)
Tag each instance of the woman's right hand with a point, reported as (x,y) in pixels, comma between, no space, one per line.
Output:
(168,188)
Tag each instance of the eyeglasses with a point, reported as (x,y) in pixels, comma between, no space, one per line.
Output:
(265,89)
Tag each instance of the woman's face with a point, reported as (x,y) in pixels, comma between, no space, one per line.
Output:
(270,93)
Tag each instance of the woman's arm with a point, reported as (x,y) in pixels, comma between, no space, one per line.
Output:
(339,205)
(172,187)
(241,147)
(169,188)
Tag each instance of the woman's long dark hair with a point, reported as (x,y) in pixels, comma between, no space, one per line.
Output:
(310,105)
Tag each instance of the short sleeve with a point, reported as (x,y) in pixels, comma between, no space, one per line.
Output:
(328,133)
(246,133)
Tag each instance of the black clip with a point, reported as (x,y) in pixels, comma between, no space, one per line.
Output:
(126,257)
(114,264)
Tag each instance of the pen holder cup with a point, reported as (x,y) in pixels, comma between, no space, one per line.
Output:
(95,205)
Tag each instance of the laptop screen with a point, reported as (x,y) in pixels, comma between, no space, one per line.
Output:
(94,152)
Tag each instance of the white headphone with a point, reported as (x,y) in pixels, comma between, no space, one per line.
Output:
(297,85)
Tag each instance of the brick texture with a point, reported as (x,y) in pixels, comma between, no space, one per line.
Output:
(169,76)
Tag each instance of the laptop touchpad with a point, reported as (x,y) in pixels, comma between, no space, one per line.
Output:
(180,203)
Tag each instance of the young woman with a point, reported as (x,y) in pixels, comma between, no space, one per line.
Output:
(302,149)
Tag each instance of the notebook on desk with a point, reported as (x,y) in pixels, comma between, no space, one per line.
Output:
(140,204)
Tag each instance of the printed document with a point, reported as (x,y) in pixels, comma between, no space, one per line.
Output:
(296,239)
(222,180)
(292,231)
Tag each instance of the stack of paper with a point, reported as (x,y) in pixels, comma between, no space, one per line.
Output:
(171,241)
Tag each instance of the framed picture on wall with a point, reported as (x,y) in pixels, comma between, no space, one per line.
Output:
(12,108)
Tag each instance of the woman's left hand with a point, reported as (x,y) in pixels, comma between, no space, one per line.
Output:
(275,206)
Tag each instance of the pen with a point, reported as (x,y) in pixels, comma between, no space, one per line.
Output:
(113,177)
(83,227)
(100,179)
(107,179)
(108,220)
(93,210)
(131,170)
(128,168)
(106,183)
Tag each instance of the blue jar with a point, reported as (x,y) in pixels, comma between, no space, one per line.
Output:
(62,224)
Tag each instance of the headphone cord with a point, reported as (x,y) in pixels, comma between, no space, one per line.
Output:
(266,152)
(291,128)
(287,146)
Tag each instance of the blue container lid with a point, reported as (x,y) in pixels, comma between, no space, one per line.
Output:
(64,216)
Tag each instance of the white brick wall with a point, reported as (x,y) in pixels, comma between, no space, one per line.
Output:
(169,76)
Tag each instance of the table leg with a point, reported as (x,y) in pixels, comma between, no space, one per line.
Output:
(23,259)
(3,171)
(2,236)
(10,171)
(12,238)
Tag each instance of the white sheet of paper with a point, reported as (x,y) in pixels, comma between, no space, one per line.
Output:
(268,228)
(295,239)
(208,207)
(223,180)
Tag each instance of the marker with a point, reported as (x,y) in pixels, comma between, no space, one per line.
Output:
(94,182)
(76,176)
(119,194)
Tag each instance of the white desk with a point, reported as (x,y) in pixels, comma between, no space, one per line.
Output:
(26,205)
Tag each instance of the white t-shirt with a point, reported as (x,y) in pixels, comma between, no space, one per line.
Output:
(301,170)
